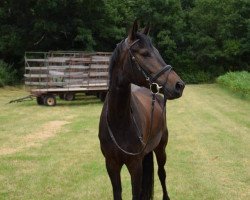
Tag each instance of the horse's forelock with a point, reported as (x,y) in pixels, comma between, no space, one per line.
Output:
(144,39)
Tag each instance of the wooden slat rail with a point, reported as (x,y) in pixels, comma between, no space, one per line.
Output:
(96,66)
(76,89)
(82,75)
(97,74)
(66,70)
(65,84)
(63,67)
(35,60)
(71,74)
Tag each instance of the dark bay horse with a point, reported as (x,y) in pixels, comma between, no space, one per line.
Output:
(133,123)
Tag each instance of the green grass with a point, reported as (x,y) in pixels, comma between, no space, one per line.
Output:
(53,152)
(238,82)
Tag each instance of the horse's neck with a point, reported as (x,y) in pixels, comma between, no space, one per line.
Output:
(119,105)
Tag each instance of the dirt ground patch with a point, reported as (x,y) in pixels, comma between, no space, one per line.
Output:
(44,133)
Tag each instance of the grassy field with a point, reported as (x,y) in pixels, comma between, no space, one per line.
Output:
(53,152)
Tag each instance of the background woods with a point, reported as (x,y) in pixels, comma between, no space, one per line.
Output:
(200,38)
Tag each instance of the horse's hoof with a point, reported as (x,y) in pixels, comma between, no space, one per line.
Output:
(166,198)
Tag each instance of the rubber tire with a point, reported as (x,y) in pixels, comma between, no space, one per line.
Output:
(40,100)
(50,100)
(69,96)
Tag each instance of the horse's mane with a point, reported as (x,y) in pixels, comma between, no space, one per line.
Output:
(113,59)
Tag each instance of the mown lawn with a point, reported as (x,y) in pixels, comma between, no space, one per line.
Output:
(53,152)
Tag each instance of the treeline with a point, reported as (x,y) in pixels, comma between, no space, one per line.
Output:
(200,38)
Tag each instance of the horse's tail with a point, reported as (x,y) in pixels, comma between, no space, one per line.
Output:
(148,177)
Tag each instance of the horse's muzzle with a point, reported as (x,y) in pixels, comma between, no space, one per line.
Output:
(179,87)
(173,92)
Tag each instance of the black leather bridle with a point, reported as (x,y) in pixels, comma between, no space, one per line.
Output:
(155,88)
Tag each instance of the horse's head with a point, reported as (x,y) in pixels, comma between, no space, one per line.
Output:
(148,69)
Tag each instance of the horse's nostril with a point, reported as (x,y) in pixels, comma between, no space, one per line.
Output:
(179,86)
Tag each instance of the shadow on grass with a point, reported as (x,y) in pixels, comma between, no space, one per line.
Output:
(80,101)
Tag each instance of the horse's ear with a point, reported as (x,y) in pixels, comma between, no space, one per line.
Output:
(146,29)
(133,31)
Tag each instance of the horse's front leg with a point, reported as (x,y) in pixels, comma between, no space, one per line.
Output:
(161,158)
(135,170)
(114,171)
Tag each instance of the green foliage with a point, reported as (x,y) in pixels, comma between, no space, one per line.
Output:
(218,30)
(197,77)
(85,36)
(7,74)
(209,37)
(238,82)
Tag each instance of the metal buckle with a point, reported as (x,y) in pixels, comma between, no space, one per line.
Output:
(155,88)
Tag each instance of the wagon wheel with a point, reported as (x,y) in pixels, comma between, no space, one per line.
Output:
(40,100)
(50,100)
(69,96)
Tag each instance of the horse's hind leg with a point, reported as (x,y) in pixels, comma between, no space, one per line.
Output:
(114,171)
(161,158)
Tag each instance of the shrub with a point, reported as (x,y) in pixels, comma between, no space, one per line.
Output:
(7,74)
(196,77)
(238,82)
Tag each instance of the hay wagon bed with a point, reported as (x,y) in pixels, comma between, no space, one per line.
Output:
(64,74)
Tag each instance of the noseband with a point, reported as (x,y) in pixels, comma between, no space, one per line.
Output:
(155,88)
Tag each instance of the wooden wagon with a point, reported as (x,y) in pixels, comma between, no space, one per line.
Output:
(64,74)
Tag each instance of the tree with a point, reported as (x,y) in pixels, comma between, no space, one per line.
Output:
(200,38)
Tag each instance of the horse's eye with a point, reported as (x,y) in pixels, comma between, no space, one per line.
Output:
(145,54)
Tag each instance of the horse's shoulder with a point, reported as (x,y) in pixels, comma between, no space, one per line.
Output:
(143,95)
